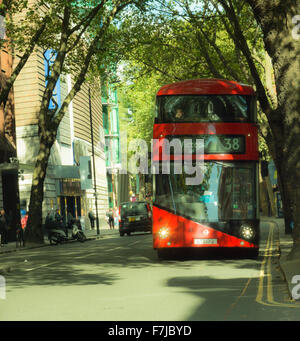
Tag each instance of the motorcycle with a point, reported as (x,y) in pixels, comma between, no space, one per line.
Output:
(77,232)
(57,234)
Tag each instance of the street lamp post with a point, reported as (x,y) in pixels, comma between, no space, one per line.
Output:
(94,168)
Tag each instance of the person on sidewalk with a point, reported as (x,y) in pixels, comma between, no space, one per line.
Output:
(21,230)
(58,217)
(60,222)
(24,221)
(110,220)
(92,219)
(116,217)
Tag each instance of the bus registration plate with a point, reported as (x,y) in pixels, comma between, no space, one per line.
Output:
(205,241)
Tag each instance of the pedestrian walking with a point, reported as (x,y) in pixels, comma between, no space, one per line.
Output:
(24,221)
(20,230)
(58,217)
(110,219)
(92,219)
(116,217)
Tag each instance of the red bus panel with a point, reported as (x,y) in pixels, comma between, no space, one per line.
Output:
(231,138)
(249,130)
(185,233)
(206,87)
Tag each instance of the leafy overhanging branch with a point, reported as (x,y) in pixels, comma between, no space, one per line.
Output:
(241,42)
(23,60)
(92,49)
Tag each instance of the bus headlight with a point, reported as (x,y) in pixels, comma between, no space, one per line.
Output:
(163,233)
(247,232)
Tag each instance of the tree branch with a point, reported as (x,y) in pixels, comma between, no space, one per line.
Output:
(211,43)
(90,52)
(241,43)
(23,59)
(88,19)
(85,22)
(45,116)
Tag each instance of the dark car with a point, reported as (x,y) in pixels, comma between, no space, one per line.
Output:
(135,217)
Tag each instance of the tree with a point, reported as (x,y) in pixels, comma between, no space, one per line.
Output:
(81,31)
(138,107)
(249,42)
(24,28)
(275,19)
(18,39)
(137,113)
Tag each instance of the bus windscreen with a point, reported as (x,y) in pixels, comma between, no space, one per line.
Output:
(227,192)
(205,108)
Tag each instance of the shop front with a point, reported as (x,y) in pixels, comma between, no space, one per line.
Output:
(71,198)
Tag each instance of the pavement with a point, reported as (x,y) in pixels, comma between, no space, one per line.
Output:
(89,233)
(289,263)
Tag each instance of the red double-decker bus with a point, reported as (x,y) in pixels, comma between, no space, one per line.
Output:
(222,211)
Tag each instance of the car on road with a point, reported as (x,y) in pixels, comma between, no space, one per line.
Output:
(135,217)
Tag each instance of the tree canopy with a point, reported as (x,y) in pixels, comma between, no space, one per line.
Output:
(250,42)
(76,32)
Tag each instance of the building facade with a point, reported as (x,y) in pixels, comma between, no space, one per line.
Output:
(112,141)
(9,194)
(63,187)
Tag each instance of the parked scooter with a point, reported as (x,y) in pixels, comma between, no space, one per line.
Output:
(57,232)
(57,236)
(77,232)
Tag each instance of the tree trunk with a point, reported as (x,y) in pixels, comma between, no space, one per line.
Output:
(287,137)
(286,204)
(34,231)
(287,164)
(270,196)
(276,20)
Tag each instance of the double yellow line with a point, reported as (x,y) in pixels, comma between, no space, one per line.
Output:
(266,273)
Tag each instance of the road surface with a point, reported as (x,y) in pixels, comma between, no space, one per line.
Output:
(121,279)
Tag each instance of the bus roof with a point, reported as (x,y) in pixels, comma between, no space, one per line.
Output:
(208,86)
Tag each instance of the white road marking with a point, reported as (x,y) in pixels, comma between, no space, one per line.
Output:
(41,266)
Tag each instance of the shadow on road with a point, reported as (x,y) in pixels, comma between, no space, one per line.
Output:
(63,265)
